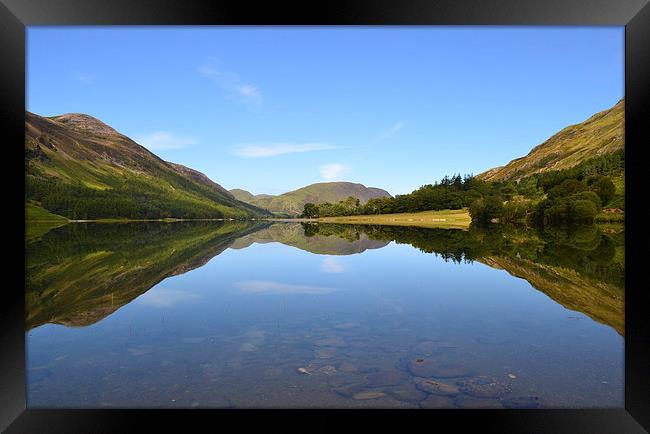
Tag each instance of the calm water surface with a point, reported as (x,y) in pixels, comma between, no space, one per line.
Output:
(291,315)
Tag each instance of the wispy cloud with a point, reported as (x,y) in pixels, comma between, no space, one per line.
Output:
(165,297)
(332,171)
(164,140)
(331,265)
(83,78)
(273,149)
(233,84)
(270,287)
(394,129)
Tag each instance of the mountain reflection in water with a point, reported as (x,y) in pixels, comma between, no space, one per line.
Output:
(273,314)
(80,273)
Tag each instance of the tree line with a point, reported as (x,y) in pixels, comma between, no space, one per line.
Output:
(574,195)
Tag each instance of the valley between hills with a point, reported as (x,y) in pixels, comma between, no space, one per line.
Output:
(80,169)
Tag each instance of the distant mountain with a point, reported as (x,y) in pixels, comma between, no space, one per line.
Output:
(80,168)
(293,202)
(603,133)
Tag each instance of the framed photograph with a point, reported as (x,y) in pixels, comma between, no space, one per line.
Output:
(388,206)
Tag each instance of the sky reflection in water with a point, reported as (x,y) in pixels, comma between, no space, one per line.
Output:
(294,316)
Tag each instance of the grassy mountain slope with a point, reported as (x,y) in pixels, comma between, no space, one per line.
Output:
(601,134)
(80,168)
(293,202)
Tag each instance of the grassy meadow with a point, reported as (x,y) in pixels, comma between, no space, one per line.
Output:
(452,219)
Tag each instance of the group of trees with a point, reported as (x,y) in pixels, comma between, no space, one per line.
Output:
(450,193)
(76,201)
(574,201)
(574,195)
(582,248)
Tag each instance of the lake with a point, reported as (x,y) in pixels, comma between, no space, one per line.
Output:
(261,314)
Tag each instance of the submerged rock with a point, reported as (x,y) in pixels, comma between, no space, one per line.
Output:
(435,401)
(368,395)
(435,387)
(386,378)
(521,402)
(477,403)
(327,369)
(421,367)
(483,387)
(406,392)
(325,353)
(349,390)
(348,367)
(347,325)
(342,379)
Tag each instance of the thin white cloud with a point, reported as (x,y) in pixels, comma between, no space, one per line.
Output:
(270,287)
(274,149)
(233,84)
(331,265)
(164,140)
(164,297)
(250,91)
(332,171)
(83,78)
(395,128)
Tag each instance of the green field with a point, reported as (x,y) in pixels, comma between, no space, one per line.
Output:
(456,219)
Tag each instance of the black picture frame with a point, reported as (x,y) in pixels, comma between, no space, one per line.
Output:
(15,15)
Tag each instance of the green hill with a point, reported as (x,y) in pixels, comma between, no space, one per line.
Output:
(80,168)
(292,202)
(601,134)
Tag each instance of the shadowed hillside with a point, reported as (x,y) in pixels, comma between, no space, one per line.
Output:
(80,168)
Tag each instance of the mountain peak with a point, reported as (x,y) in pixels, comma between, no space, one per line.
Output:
(75,156)
(84,122)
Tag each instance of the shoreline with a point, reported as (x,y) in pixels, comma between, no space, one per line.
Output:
(443,219)
(168,220)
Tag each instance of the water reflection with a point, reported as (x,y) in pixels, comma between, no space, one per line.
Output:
(582,268)
(248,314)
(80,273)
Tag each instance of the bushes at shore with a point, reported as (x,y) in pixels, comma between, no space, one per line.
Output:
(562,197)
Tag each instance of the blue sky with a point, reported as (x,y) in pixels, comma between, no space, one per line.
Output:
(273,109)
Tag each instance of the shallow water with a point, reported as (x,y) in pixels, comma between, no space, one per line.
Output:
(289,315)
